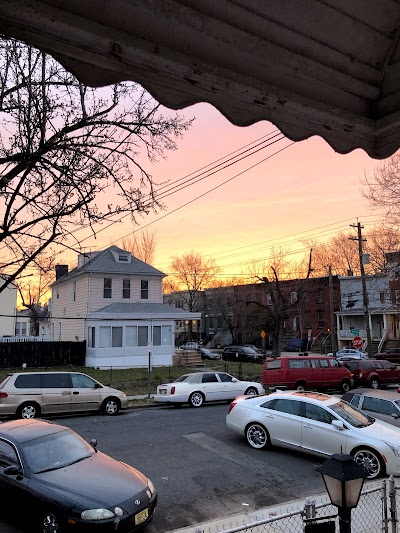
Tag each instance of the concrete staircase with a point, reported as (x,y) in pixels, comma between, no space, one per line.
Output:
(190,358)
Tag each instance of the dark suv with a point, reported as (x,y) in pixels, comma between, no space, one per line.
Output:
(243,354)
(372,372)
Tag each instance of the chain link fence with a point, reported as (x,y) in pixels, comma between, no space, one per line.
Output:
(376,512)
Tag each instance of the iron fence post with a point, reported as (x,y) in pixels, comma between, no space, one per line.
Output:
(385,520)
(392,500)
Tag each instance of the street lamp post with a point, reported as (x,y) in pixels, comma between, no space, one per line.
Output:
(343,479)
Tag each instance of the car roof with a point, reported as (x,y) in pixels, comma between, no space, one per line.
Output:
(44,372)
(318,398)
(385,394)
(23,430)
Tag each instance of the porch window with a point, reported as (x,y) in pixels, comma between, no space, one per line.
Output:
(156,335)
(131,336)
(143,335)
(144,289)
(116,337)
(166,339)
(107,290)
(110,337)
(126,289)
(91,337)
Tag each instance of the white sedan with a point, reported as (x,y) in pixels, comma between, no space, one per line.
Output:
(352,353)
(201,387)
(318,424)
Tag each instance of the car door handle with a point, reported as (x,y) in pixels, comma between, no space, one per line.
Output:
(75,392)
(269,416)
(307,426)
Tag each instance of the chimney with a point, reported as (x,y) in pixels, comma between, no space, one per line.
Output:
(349,272)
(61,270)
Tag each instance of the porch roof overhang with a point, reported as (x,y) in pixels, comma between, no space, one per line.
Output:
(141,311)
(376,311)
(328,67)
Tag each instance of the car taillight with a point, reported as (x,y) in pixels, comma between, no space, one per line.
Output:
(231,407)
(172,390)
(3,395)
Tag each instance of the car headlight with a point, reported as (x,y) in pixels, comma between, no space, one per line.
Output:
(150,488)
(101,514)
(395,449)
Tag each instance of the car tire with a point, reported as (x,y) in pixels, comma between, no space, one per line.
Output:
(301,386)
(257,435)
(110,406)
(251,391)
(374,382)
(370,460)
(345,386)
(28,410)
(49,523)
(196,399)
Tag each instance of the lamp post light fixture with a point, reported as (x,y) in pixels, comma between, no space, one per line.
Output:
(343,479)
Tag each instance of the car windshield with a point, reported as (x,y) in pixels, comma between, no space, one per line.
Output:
(55,451)
(352,415)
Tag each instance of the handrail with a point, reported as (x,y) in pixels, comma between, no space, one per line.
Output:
(382,341)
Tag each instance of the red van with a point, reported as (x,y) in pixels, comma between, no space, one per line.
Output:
(301,373)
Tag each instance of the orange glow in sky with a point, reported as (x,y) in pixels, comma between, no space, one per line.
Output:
(307,189)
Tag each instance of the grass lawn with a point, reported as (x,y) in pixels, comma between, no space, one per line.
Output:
(136,380)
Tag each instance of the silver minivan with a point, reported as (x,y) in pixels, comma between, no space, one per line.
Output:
(33,394)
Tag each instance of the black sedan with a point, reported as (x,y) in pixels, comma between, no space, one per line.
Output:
(63,483)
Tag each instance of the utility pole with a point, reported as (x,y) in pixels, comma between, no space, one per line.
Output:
(331,309)
(360,240)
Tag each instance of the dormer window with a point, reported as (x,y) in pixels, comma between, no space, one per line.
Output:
(123,258)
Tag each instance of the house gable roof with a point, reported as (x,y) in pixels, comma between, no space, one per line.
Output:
(104,262)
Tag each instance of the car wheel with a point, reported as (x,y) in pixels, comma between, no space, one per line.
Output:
(370,460)
(257,436)
(301,386)
(374,383)
(28,410)
(50,523)
(345,386)
(251,391)
(196,399)
(110,406)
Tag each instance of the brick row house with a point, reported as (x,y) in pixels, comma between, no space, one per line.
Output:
(114,302)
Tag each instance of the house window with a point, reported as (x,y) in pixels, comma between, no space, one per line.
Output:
(91,337)
(123,258)
(319,296)
(156,335)
(58,294)
(397,296)
(293,297)
(107,291)
(131,336)
(307,320)
(144,289)
(320,317)
(143,335)
(382,297)
(17,328)
(306,297)
(269,299)
(295,322)
(116,337)
(166,339)
(74,291)
(126,288)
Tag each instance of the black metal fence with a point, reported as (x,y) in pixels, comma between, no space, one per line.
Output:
(42,354)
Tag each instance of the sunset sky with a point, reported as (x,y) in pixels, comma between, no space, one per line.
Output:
(305,190)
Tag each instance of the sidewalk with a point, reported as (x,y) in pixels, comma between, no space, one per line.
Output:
(295,506)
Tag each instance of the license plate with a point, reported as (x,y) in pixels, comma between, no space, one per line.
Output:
(163,391)
(141,517)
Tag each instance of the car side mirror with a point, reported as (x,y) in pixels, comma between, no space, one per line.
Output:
(93,443)
(12,470)
(234,380)
(395,415)
(338,424)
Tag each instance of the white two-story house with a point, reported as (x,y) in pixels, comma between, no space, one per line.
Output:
(8,304)
(114,302)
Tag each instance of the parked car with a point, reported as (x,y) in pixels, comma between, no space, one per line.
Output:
(392,355)
(242,353)
(301,373)
(34,394)
(209,354)
(318,424)
(297,345)
(200,387)
(255,348)
(381,404)
(350,352)
(372,372)
(190,346)
(66,484)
